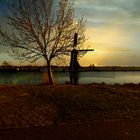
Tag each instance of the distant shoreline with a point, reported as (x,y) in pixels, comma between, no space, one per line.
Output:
(65,68)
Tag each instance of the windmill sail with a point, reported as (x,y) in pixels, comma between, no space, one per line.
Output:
(75,40)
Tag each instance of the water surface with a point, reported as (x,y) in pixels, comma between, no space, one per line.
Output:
(62,77)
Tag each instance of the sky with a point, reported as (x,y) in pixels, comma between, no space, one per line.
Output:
(112,29)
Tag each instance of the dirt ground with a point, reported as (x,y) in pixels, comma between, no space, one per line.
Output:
(111,130)
(93,111)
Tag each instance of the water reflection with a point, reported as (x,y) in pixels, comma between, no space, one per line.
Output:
(74,78)
(63,77)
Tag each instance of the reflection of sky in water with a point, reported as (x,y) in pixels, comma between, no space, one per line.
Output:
(110,77)
(20,78)
(62,77)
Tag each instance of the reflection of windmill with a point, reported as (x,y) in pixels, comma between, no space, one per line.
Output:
(74,64)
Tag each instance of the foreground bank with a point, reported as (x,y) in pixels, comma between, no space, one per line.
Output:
(38,105)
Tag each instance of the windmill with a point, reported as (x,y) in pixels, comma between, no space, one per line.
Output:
(74,66)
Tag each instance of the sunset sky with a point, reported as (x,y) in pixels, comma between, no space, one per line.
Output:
(112,29)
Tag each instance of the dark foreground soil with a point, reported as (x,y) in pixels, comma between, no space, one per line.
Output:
(113,130)
(84,112)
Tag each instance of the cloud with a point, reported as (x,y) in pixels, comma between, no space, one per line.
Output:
(109,11)
(104,47)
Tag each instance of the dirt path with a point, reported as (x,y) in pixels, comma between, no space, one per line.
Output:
(116,130)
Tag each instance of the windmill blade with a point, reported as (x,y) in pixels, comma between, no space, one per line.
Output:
(85,50)
(75,40)
(67,50)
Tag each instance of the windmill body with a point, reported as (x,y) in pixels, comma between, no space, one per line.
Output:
(74,66)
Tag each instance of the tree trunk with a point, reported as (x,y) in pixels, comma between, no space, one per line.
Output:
(50,78)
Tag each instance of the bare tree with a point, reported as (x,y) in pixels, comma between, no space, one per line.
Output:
(42,29)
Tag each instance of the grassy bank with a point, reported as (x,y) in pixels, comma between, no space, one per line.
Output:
(29,106)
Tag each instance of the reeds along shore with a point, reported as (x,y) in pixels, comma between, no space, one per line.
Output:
(40,105)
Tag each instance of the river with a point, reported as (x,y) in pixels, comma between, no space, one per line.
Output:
(63,77)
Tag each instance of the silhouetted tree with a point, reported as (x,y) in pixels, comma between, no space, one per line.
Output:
(42,29)
(5,63)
